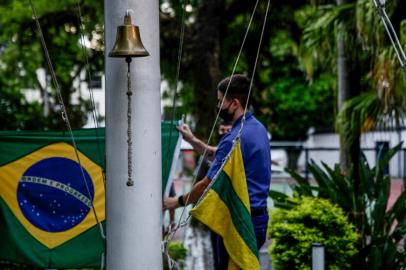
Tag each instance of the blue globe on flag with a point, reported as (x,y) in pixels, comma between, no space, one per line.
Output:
(55,194)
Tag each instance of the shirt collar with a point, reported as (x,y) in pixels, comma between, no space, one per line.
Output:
(238,122)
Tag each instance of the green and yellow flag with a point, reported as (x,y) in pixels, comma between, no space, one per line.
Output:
(226,210)
(47,217)
(46,198)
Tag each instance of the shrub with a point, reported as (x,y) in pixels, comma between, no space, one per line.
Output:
(310,220)
(382,229)
(177,252)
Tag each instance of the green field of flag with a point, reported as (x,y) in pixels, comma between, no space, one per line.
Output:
(50,206)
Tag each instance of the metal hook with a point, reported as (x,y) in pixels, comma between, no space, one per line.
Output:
(128,11)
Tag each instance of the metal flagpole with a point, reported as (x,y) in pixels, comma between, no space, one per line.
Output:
(133,215)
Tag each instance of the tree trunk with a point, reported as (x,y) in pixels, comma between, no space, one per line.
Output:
(348,87)
(206,70)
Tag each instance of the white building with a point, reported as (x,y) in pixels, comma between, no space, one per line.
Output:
(323,147)
(97,85)
(82,86)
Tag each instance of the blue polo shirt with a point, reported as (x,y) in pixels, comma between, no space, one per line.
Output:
(256,155)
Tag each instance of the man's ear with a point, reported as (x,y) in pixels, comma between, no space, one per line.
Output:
(237,102)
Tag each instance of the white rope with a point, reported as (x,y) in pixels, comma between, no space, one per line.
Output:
(102,261)
(217,117)
(165,251)
(179,224)
(223,163)
(238,137)
(392,34)
(95,114)
(64,113)
(87,65)
(178,66)
(255,68)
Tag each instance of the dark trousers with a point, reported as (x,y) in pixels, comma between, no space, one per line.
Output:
(219,251)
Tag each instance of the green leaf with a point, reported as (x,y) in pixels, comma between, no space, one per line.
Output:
(384,162)
(303,188)
(367,183)
(327,187)
(375,258)
(398,210)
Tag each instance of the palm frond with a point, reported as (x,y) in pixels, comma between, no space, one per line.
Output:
(371,111)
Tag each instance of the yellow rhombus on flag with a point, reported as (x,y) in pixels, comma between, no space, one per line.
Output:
(226,210)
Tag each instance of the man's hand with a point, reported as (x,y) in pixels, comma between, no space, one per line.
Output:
(169,228)
(199,146)
(186,132)
(170,203)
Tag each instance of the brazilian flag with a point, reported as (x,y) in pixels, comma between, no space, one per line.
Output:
(226,210)
(52,199)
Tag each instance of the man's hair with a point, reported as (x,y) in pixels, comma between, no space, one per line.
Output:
(238,89)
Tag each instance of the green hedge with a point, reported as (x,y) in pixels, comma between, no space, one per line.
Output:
(177,252)
(311,220)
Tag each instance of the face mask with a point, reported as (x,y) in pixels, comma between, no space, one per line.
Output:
(225,115)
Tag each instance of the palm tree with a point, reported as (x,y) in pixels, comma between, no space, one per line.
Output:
(370,83)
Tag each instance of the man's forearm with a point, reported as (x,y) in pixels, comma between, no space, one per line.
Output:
(200,147)
(191,197)
(196,192)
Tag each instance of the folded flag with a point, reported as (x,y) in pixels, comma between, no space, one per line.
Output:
(226,210)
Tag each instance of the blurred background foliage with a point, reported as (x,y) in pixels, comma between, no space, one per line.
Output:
(21,56)
(295,82)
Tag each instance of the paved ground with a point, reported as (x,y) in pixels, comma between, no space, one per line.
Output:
(395,191)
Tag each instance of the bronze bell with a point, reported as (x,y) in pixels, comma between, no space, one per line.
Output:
(128,41)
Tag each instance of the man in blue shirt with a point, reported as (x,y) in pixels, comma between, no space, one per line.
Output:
(255,152)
